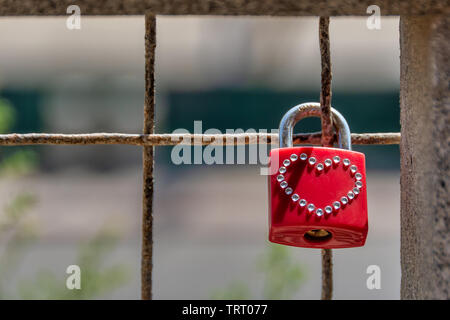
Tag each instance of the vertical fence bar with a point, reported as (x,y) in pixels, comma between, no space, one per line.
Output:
(327,137)
(326,76)
(148,161)
(425,156)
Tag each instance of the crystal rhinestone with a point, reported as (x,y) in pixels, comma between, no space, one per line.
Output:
(294,157)
(282,170)
(359,184)
(328,162)
(312,160)
(355,191)
(302,202)
(336,205)
(319,167)
(358,176)
(350,195)
(353,168)
(280,178)
(328,209)
(283,184)
(286,162)
(295,197)
(288,190)
(303,156)
(336,159)
(311,207)
(344,200)
(319,212)
(346,162)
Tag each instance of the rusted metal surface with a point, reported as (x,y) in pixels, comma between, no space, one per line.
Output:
(325,92)
(327,137)
(327,274)
(223,7)
(148,160)
(15,139)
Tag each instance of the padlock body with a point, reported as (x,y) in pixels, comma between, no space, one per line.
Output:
(295,225)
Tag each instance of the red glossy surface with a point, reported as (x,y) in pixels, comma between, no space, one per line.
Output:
(289,222)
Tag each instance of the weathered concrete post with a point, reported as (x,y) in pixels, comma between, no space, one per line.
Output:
(425,158)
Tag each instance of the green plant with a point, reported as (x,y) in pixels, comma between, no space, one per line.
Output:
(7,116)
(96,279)
(236,290)
(282,277)
(17,233)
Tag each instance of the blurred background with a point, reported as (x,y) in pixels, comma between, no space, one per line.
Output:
(63,205)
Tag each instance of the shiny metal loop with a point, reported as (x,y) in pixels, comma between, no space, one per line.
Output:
(312,109)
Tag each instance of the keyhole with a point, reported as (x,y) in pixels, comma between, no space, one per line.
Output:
(318,235)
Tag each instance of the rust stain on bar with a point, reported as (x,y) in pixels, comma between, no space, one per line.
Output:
(327,274)
(221,7)
(325,92)
(15,139)
(148,161)
(327,137)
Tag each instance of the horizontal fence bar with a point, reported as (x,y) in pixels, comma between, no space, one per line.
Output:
(222,7)
(16,139)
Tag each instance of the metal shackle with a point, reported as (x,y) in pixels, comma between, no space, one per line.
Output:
(312,109)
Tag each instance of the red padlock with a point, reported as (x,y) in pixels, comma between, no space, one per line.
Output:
(317,196)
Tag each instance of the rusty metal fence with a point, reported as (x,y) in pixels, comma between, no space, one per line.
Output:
(149,139)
